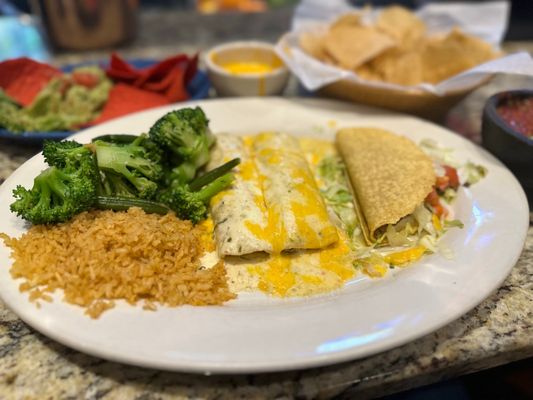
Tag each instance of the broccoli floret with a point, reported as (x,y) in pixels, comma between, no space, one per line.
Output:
(180,175)
(114,185)
(186,136)
(132,163)
(57,195)
(153,151)
(59,154)
(192,205)
(65,189)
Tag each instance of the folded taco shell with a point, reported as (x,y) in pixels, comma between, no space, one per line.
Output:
(390,175)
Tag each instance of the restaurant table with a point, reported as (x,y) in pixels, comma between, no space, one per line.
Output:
(496,332)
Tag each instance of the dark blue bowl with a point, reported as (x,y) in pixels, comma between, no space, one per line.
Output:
(198,89)
(513,148)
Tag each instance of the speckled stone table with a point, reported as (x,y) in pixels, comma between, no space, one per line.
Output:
(498,331)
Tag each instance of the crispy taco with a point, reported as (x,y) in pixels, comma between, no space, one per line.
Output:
(390,178)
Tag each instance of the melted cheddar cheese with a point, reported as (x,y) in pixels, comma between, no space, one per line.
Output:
(307,253)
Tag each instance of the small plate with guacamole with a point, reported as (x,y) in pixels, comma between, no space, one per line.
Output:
(70,102)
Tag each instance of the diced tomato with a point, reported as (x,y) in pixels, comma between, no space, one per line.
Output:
(440,211)
(433,198)
(85,79)
(434,201)
(453,178)
(442,183)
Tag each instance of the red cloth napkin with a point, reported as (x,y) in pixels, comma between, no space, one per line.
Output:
(169,77)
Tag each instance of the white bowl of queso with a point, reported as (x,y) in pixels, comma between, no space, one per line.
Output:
(246,68)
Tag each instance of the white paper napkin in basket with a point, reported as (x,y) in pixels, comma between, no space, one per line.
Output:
(487,21)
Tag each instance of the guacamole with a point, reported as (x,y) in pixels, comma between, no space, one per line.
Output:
(65,103)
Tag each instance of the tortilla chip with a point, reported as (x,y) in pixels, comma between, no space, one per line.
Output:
(395,49)
(443,57)
(390,175)
(402,25)
(399,66)
(350,19)
(125,99)
(313,45)
(351,46)
(23,78)
(366,71)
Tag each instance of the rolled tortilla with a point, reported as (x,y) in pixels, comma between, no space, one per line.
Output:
(297,215)
(237,211)
(389,174)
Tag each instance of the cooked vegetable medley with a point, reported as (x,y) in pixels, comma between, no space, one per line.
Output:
(154,171)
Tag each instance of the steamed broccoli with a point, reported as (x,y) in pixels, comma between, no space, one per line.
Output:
(65,189)
(136,165)
(114,185)
(186,136)
(192,205)
(59,154)
(156,171)
(190,201)
(152,150)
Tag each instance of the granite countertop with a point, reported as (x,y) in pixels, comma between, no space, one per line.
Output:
(498,331)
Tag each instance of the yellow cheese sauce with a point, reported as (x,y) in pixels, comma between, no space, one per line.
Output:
(295,272)
(248,67)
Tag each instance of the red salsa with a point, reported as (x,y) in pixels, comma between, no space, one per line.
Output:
(518,113)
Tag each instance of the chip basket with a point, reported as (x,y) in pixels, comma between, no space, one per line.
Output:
(411,101)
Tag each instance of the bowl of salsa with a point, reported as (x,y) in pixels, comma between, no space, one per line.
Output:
(507,132)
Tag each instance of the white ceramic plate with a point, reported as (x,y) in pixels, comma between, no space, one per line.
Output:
(255,333)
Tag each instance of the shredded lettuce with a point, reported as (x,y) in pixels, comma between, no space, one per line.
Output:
(469,172)
(331,168)
(449,195)
(416,229)
(337,194)
(429,242)
(423,218)
(396,238)
(442,154)
(338,198)
(454,223)
(473,173)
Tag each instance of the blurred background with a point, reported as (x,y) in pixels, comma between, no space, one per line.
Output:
(39,28)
